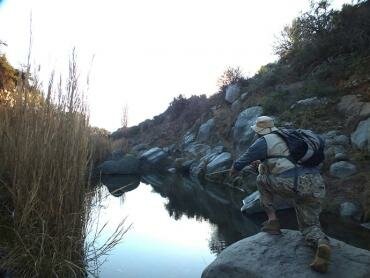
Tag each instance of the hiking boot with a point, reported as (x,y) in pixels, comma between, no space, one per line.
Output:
(322,257)
(271,227)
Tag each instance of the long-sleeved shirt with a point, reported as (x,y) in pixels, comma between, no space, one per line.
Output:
(258,151)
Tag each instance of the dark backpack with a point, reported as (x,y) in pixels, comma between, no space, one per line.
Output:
(306,147)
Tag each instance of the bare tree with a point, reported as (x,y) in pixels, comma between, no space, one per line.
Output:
(124,117)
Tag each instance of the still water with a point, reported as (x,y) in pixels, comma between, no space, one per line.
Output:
(179,226)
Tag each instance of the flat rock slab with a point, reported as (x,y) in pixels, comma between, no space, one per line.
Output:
(264,255)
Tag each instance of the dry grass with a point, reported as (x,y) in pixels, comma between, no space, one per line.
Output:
(45,154)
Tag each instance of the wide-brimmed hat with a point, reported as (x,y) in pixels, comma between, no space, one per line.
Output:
(264,125)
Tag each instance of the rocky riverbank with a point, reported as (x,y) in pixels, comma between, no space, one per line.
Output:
(201,152)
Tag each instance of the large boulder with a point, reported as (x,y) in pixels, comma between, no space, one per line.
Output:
(127,165)
(120,184)
(205,130)
(351,106)
(197,150)
(361,137)
(188,139)
(342,169)
(139,148)
(335,146)
(232,93)
(154,155)
(308,103)
(242,132)
(220,162)
(264,255)
(252,204)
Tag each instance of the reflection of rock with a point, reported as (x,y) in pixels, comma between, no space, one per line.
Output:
(125,166)
(265,255)
(117,185)
(251,203)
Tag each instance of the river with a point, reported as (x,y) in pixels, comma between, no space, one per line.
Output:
(179,225)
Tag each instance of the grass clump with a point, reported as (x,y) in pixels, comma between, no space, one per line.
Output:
(45,153)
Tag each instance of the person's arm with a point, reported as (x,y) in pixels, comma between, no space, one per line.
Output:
(257,151)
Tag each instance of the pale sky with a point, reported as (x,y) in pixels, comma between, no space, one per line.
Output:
(146,51)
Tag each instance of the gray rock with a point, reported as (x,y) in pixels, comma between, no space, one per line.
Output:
(205,130)
(366,225)
(236,106)
(183,164)
(310,103)
(252,205)
(361,137)
(340,157)
(341,140)
(140,147)
(331,134)
(127,165)
(351,106)
(350,210)
(154,155)
(196,150)
(188,138)
(220,162)
(265,255)
(232,93)
(331,151)
(242,132)
(219,149)
(120,184)
(244,96)
(342,169)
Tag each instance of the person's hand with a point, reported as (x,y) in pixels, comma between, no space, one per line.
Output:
(233,172)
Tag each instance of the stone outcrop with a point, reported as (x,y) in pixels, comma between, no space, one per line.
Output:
(222,161)
(242,132)
(205,130)
(127,165)
(264,255)
(313,102)
(154,155)
(351,106)
(232,93)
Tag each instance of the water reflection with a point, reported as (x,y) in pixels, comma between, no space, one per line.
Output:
(213,203)
(118,185)
(220,206)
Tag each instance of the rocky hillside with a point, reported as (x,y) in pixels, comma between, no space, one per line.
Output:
(321,82)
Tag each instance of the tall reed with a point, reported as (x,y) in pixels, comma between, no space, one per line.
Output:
(45,153)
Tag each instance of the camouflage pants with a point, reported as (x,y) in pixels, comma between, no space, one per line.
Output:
(307,199)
